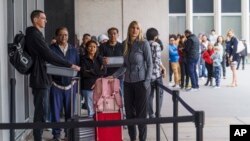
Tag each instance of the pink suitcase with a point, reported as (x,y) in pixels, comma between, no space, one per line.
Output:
(108,104)
(107,96)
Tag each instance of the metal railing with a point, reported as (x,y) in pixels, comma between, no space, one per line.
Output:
(197,117)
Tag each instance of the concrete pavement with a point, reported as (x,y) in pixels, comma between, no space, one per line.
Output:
(223,107)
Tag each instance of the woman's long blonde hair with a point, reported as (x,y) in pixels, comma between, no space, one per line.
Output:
(128,39)
(230,30)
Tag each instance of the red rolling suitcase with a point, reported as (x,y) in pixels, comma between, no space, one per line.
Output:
(109,133)
(108,104)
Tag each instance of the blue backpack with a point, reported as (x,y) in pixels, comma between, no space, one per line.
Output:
(18,56)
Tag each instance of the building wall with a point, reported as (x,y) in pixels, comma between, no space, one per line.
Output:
(148,14)
(96,16)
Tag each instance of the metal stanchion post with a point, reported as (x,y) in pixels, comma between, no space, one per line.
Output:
(72,100)
(12,106)
(175,114)
(158,132)
(75,104)
(199,124)
(78,97)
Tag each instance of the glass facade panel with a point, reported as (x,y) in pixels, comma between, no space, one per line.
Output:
(231,6)
(231,22)
(177,24)
(203,24)
(203,6)
(177,6)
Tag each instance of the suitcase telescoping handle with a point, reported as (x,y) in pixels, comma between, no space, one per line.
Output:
(75,81)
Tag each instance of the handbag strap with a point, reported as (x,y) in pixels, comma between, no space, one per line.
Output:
(116,86)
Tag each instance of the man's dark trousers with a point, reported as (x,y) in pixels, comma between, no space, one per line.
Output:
(40,103)
(192,63)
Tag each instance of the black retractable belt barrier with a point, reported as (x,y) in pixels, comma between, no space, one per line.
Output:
(108,123)
(197,117)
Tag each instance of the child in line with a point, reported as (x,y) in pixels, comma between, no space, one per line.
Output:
(209,63)
(217,59)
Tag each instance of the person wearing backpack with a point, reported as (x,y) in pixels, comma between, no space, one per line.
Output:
(40,53)
(137,67)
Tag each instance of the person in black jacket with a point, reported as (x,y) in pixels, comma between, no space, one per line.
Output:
(40,81)
(91,70)
(192,54)
(110,49)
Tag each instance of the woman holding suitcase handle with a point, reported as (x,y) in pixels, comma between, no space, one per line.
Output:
(137,67)
(91,69)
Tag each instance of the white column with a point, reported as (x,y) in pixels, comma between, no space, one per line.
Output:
(4,83)
(245,19)
(217,16)
(165,52)
(189,15)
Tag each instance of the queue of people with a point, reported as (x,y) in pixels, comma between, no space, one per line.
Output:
(90,60)
(141,69)
(200,57)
